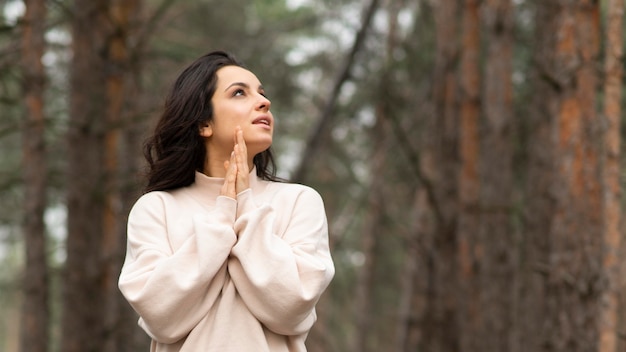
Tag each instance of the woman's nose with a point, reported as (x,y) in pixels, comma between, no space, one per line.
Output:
(264,103)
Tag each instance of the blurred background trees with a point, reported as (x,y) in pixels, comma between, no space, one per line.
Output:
(468,151)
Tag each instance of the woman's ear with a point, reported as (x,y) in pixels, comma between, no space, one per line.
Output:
(206,130)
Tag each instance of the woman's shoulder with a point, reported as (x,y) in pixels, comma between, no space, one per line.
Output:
(289,186)
(296,190)
(156,199)
(152,196)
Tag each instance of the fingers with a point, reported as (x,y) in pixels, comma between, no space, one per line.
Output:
(242,182)
(241,150)
(242,143)
(236,178)
(241,158)
(229,188)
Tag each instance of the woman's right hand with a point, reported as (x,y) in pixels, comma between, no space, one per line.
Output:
(236,179)
(229,187)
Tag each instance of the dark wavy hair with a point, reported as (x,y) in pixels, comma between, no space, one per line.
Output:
(175,151)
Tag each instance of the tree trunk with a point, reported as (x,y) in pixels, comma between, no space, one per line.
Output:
(610,305)
(438,321)
(35,318)
(118,315)
(573,280)
(564,210)
(369,240)
(496,238)
(414,297)
(469,183)
(96,317)
(84,302)
(375,217)
(539,203)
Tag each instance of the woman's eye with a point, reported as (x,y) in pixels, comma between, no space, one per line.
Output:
(238,92)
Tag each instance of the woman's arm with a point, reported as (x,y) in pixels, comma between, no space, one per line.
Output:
(282,276)
(173,290)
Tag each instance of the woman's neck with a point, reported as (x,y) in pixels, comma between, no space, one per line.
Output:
(215,168)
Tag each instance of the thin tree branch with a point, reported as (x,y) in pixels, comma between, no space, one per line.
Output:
(148,29)
(414,164)
(314,140)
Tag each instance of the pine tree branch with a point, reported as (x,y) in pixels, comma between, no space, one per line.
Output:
(316,137)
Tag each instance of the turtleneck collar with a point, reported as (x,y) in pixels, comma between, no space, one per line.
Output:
(207,189)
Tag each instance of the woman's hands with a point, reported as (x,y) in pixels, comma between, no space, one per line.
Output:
(237,170)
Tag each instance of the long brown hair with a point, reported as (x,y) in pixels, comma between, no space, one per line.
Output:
(175,151)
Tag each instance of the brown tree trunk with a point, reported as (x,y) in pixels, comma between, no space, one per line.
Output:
(118,315)
(140,28)
(84,302)
(539,203)
(564,212)
(34,331)
(130,337)
(469,183)
(437,320)
(496,238)
(369,239)
(380,135)
(96,317)
(408,276)
(612,209)
(573,285)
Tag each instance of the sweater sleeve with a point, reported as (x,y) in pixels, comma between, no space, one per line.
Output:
(281,277)
(173,290)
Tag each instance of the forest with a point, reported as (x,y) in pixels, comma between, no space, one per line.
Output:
(469,154)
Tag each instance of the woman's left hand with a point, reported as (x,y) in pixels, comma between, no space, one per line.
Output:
(241,159)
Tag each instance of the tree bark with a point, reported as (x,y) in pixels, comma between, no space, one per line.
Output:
(34,332)
(539,203)
(496,238)
(575,259)
(369,240)
(564,210)
(84,302)
(95,316)
(380,135)
(469,182)
(119,320)
(437,302)
(612,209)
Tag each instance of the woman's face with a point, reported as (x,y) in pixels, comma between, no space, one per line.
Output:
(239,100)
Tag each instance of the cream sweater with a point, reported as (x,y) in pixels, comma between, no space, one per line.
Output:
(209,273)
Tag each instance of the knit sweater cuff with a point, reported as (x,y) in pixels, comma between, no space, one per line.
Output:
(245,202)
(226,210)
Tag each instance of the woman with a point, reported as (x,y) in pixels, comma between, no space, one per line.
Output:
(220,256)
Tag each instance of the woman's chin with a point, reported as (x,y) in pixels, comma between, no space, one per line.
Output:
(256,147)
